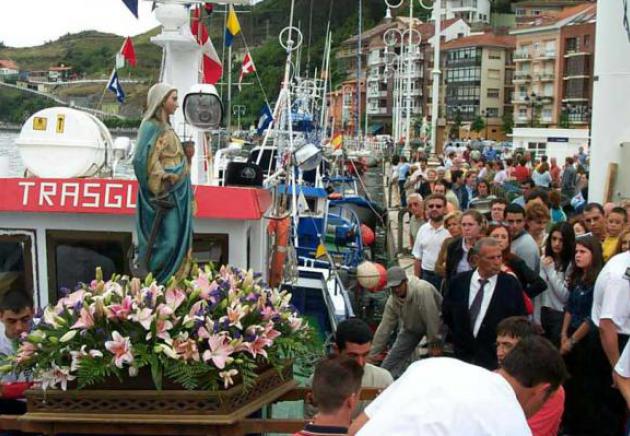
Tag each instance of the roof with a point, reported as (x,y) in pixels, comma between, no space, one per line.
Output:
(8,63)
(546,3)
(561,18)
(427,30)
(484,40)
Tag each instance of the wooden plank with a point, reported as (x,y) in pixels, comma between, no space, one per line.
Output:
(611,177)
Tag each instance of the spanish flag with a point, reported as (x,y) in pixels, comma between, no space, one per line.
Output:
(337,141)
(232,27)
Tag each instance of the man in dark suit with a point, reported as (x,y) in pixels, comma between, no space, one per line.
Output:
(477,301)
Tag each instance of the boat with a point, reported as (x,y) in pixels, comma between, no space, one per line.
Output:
(64,220)
(345,191)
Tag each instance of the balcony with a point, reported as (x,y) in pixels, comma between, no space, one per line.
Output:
(546,54)
(519,97)
(521,56)
(547,98)
(546,119)
(575,52)
(376,60)
(521,77)
(376,93)
(546,77)
(522,119)
(374,78)
(377,111)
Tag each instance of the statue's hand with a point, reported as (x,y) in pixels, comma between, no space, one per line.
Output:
(171,179)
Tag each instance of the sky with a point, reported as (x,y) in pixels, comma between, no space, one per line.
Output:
(27,23)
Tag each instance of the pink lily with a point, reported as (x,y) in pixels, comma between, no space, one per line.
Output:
(55,375)
(235,313)
(187,349)
(78,355)
(219,352)
(227,377)
(174,298)
(144,317)
(268,312)
(120,311)
(164,311)
(295,323)
(120,347)
(85,321)
(269,332)
(25,352)
(258,346)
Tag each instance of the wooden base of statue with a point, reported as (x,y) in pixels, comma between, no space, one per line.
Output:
(155,412)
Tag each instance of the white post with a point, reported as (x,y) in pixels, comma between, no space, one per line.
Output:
(228,122)
(408,96)
(437,10)
(611,93)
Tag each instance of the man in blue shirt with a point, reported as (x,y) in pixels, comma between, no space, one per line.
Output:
(403,172)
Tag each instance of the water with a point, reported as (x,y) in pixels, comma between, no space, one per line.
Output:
(8,148)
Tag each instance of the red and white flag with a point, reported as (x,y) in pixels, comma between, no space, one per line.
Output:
(247,68)
(211,63)
(126,54)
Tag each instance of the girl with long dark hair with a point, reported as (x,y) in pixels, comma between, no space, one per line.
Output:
(555,268)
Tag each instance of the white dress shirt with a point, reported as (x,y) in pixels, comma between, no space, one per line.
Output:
(611,296)
(623,364)
(488,291)
(426,247)
(444,396)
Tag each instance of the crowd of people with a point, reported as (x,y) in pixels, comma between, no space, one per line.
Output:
(517,279)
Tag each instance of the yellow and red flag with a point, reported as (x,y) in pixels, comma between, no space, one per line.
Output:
(337,141)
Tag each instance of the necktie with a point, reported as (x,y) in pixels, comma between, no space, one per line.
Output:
(475,307)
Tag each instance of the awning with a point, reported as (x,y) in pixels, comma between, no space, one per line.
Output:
(375,128)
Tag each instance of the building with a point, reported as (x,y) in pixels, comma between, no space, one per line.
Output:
(529,11)
(342,107)
(558,143)
(473,11)
(541,65)
(477,83)
(386,71)
(59,74)
(8,69)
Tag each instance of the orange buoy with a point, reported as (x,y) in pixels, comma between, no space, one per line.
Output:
(280,228)
(367,235)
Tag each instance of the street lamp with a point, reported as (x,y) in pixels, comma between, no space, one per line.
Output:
(533,101)
(238,110)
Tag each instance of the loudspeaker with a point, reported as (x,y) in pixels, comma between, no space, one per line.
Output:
(243,174)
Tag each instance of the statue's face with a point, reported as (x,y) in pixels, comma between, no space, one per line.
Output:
(170,104)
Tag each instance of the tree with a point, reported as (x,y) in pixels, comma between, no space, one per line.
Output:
(478,124)
(457,124)
(507,122)
(564,119)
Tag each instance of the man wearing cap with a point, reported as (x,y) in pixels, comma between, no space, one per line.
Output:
(413,306)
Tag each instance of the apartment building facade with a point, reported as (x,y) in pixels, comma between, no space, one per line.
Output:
(342,104)
(539,78)
(473,11)
(477,73)
(529,10)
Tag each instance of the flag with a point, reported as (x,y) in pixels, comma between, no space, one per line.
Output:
(320,252)
(232,27)
(302,204)
(211,64)
(132,5)
(114,86)
(337,141)
(209,7)
(266,117)
(247,68)
(128,53)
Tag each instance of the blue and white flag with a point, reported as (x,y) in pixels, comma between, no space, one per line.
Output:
(132,5)
(266,117)
(115,87)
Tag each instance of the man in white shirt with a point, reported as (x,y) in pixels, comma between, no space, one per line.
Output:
(444,396)
(621,375)
(429,239)
(16,317)
(611,306)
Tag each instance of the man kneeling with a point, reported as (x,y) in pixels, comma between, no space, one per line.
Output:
(336,386)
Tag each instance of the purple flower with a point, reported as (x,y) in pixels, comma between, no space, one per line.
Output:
(64,291)
(216,327)
(148,299)
(237,335)
(77,306)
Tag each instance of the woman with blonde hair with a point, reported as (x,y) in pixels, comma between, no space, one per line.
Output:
(452,223)
(164,206)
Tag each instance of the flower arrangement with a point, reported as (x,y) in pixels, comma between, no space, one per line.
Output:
(204,332)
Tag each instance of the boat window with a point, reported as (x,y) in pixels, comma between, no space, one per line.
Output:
(16,262)
(74,256)
(210,247)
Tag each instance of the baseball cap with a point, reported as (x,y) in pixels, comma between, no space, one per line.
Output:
(395,276)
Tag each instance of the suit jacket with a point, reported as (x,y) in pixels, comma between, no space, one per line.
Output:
(454,254)
(507,300)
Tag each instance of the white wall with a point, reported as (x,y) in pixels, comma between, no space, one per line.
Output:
(452,32)
(521,137)
(611,94)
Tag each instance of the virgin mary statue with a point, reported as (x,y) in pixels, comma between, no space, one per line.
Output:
(164,206)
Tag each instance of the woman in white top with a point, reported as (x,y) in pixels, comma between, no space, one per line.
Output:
(541,176)
(555,269)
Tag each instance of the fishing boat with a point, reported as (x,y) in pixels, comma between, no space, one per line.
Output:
(74,209)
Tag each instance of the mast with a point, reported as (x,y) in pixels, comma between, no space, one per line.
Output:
(357,113)
(408,96)
(437,10)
